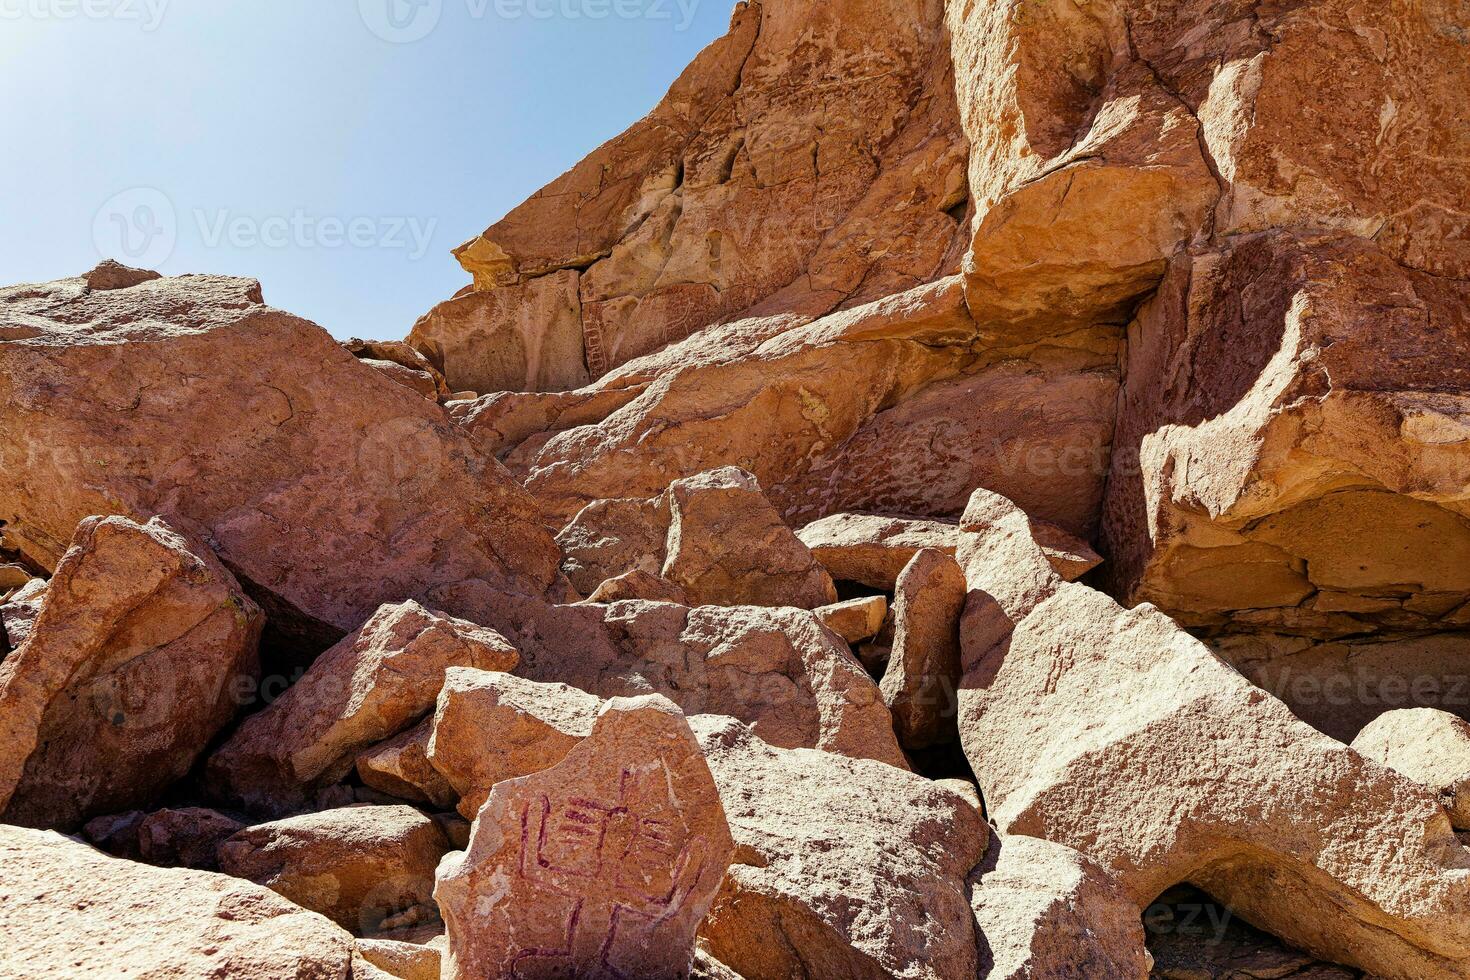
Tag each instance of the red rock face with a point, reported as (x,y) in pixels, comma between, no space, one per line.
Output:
(325,486)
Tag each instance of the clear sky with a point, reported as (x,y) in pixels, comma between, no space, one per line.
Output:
(323,147)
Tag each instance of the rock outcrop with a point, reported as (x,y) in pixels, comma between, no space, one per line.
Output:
(377,682)
(326,488)
(604,864)
(132,666)
(68,911)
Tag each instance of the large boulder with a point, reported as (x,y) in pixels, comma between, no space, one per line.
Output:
(68,911)
(714,538)
(852,889)
(131,668)
(1292,442)
(325,487)
(604,864)
(780,670)
(356,865)
(810,159)
(1065,691)
(378,682)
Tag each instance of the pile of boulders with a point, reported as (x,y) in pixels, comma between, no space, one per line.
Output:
(962,490)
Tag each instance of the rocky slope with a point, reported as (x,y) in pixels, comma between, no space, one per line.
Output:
(963,489)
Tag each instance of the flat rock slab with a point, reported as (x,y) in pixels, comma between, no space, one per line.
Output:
(603,865)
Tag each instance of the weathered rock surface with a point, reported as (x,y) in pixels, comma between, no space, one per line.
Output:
(1044,910)
(406,961)
(639,585)
(403,363)
(374,684)
(130,669)
(602,865)
(852,889)
(714,537)
(855,620)
(492,727)
(18,612)
(185,838)
(921,683)
(779,670)
(843,115)
(1066,691)
(1430,747)
(69,912)
(355,865)
(400,767)
(872,549)
(326,488)
(1291,449)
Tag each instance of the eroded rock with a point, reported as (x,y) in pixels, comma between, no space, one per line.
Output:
(855,620)
(130,669)
(1430,747)
(400,767)
(921,683)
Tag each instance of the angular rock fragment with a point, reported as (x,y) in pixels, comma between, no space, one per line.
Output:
(374,684)
(714,537)
(639,585)
(602,865)
(12,578)
(728,546)
(403,364)
(326,488)
(1430,747)
(130,669)
(778,669)
(400,767)
(855,620)
(922,680)
(1066,691)
(68,911)
(357,865)
(18,612)
(405,961)
(852,888)
(493,727)
(1044,910)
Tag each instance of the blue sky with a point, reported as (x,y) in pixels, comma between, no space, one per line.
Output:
(321,146)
